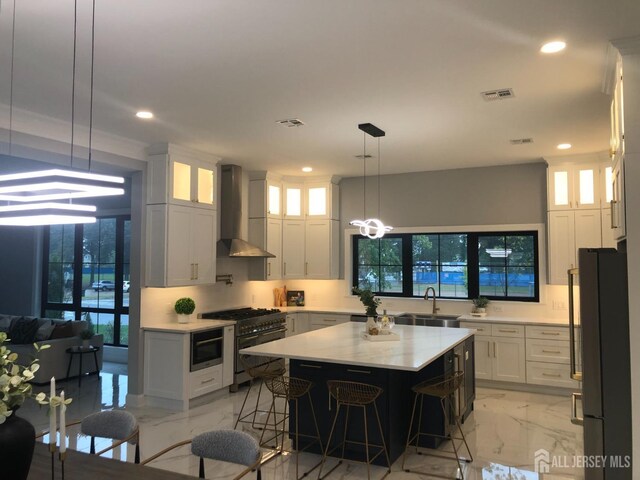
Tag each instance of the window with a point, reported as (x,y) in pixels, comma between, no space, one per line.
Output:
(497,265)
(86,275)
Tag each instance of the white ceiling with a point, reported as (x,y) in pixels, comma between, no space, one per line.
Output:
(218,74)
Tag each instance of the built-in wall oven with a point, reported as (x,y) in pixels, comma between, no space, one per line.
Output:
(206,348)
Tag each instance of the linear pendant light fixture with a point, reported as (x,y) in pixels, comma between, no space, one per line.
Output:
(34,191)
(372,228)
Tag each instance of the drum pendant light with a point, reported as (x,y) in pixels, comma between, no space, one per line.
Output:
(371,227)
(30,196)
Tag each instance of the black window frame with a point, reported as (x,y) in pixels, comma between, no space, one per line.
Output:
(473,267)
(76,304)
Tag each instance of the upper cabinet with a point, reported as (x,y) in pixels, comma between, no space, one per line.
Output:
(322,200)
(573,186)
(265,194)
(182,177)
(617,115)
(293,199)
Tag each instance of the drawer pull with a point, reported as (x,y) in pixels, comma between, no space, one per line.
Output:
(557,352)
(310,366)
(554,375)
(550,333)
(202,382)
(508,331)
(329,320)
(358,371)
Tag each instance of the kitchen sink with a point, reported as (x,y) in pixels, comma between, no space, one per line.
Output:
(427,320)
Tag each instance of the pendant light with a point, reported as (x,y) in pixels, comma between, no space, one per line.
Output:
(372,228)
(34,191)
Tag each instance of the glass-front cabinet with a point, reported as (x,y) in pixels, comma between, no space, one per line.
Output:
(293,200)
(182,177)
(574,186)
(321,200)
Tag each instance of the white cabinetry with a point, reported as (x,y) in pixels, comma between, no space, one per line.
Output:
(293,200)
(548,357)
(321,249)
(324,320)
(168,383)
(573,186)
(618,211)
(181,247)
(322,200)
(266,233)
(500,356)
(297,323)
(293,251)
(181,176)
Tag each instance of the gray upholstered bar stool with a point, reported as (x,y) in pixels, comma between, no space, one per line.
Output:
(291,390)
(360,395)
(259,369)
(442,387)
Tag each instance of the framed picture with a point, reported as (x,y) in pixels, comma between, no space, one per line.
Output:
(295,298)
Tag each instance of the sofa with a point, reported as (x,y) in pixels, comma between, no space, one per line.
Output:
(24,331)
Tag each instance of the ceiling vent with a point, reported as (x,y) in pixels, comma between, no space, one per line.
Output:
(291,122)
(520,141)
(501,94)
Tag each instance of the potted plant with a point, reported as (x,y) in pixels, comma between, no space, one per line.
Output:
(184,307)
(17,435)
(371,304)
(480,304)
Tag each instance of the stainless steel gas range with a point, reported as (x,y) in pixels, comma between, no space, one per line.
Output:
(254,326)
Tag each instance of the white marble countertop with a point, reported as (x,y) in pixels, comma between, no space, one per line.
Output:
(337,310)
(195,326)
(343,344)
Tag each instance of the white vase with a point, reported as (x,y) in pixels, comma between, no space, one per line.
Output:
(480,310)
(183,318)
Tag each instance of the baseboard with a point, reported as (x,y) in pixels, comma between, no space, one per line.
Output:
(525,387)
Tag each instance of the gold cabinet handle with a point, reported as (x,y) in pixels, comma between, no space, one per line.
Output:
(554,375)
(284,265)
(495,350)
(197,271)
(358,371)
(268,269)
(332,320)
(614,224)
(557,352)
(489,349)
(550,333)
(305,267)
(507,331)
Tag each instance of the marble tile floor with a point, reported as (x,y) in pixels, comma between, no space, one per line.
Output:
(504,431)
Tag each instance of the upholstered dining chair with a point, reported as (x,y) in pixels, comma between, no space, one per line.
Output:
(117,425)
(224,445)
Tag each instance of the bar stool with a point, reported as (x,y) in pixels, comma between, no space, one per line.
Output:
(258,368)
(355,394)
(290,389)
(442,387)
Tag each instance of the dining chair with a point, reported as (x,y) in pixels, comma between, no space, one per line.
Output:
(230,446)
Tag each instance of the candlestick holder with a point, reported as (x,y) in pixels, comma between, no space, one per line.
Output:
(62,456)
(53,448)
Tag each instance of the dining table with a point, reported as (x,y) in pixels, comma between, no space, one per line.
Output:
(84,466)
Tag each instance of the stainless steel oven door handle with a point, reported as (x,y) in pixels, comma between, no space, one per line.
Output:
(244,340)
(572,325)
(207,342)
(575,419)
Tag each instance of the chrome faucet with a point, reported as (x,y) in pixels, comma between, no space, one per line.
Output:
(426,297)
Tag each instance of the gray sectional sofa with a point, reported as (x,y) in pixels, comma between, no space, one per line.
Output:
(54,360)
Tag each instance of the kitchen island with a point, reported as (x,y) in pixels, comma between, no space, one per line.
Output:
(340,353)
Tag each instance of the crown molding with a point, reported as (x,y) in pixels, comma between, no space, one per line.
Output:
(181,151)
(627,45)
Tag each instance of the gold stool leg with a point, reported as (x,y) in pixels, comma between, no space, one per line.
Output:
(243,404)
(409,438)
(453,442)
(326,451)
(344,434)
(366,441)
(384,443)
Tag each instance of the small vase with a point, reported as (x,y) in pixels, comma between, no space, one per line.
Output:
(17,440)
(372,326)
(480,310)
(86,343)
(182,318)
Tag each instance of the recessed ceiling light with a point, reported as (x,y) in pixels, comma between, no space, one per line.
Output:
(144,114)
(564,146)
(553,47)
(307,169)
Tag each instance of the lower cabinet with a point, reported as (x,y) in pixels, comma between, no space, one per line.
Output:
(324,320)
(168,383)
(297,323)
(532,354)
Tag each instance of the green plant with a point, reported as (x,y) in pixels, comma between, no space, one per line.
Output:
(185,306)
(14,381)
(368,300)
(480,302)
(89,332)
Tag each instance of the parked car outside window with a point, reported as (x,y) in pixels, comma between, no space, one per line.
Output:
(103,285)
(126,286)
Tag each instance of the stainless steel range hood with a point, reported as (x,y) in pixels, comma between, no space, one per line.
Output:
(231,215)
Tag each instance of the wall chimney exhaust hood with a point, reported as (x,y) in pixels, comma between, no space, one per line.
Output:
(231,215)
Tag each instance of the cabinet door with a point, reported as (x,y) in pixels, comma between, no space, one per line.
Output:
(562,251)
(204,184)
(587,186)
(588,229)
(274,199)
(181,179)
(293,249)
(180,265)
(618,204)
(509,364)
(203,229)
(560,183)
(318,249)
(274,245)
(483,357)
(293,200)
(318,201)
(608,234)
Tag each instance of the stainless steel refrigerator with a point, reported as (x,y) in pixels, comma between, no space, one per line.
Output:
(600,359)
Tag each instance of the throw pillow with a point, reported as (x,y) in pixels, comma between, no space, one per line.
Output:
(6,321)
(44,331)
(23,331)
(64,330)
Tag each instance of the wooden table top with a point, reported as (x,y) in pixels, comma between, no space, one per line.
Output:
(82,466)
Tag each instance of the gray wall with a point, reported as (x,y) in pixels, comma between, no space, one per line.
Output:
(20,255)
(472,196)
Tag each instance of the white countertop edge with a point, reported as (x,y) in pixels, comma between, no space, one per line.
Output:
(558,322)
(199,325)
